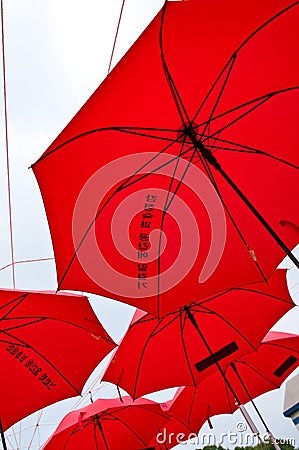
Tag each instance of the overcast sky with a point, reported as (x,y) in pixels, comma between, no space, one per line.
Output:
(57,53)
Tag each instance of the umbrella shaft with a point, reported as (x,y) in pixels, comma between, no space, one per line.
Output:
(2,436)
(259,217)
(194,323)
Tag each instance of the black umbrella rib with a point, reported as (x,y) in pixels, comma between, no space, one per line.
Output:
(24,344)
(230,68)
(253,291)
(251,151)
(125,425)
(227,322)
(46,318)
(235,54)
(228,397)
(165,209)
(173,89)
(97,423)
(122,186)
(262,100)
(240,234)
(182,326)
(138,131)
(258,372)
(22,325)
(15,302)
(257,101)
(280,13)
(152,333)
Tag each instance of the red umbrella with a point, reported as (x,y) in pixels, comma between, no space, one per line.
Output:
(156,354)
(173,181)
(49,346)
(109,424)
(251,375)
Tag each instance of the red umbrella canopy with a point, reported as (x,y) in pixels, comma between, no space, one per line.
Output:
(109,424)
(157,354)
(257,372)
(49,345)
(173,181)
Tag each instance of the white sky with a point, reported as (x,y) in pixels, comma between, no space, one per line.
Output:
(57,52)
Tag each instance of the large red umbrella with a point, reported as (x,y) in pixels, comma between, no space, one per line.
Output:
(251,375)
(49,346)
(157,354)
(175,179)
(109,424)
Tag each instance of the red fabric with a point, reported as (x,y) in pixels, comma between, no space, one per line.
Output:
(128,425)
(84,174)
(49,346)
(157,354)
(257,371)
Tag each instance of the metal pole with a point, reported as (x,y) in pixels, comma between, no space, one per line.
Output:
(2,436)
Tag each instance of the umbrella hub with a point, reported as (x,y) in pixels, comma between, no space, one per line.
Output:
(192,136)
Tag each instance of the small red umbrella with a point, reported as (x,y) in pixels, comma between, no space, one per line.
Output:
(109,424)
(250,375)
(49,345)
(174,180)
(184,346)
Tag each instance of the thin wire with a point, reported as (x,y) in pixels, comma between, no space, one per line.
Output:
(25,261)
(7,151)
(116,35)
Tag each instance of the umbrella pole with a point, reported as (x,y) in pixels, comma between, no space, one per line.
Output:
(241,407)
(2,436)
(272,439)
(259,216)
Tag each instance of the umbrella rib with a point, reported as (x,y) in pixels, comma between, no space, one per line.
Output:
(252,151)
(185,349)
(241,116)
(258,216)
(242,289)
(242,237)
(258,101)
(258,372)
(229,324)
(230,68)
(173,89)
(165,209)
(266,23)
(141,357)
(97,423)
(41,319)
(18,299)
(228,396)
(24,344)
(235,53)
(122,129)
(117,419)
